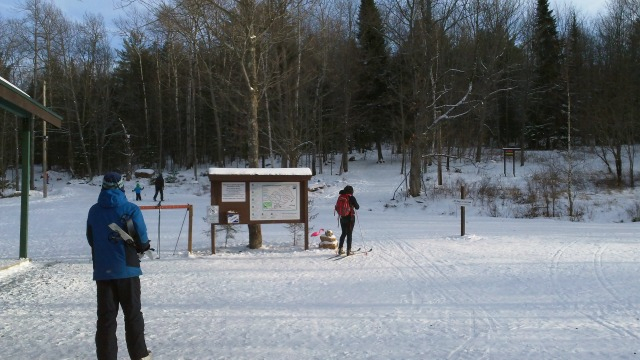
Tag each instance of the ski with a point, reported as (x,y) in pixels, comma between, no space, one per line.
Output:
(363,252)
(340,255)
(128,239)
(123,234)
(357,252)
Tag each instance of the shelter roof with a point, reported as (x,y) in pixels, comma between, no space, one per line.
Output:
(19,103)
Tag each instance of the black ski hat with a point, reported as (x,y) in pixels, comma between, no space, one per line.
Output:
(112,180)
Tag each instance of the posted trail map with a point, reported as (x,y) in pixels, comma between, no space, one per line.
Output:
(274,201)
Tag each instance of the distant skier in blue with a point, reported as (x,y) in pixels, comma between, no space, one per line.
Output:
(138,190)
(116,269)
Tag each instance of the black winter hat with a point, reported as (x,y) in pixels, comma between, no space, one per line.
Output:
(348,189)
(112,180)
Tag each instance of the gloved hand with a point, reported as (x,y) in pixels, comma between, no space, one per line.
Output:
(142,251)
(144,247)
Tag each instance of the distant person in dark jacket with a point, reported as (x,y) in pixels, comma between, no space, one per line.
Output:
(116,268)
(159,188)
(347,222)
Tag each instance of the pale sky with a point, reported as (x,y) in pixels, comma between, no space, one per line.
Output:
(73,9)
(589,7)
(111,9)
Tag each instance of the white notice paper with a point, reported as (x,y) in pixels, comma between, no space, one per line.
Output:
(233,192)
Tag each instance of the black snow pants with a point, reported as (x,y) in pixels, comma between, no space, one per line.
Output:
(113,294)
(346,225)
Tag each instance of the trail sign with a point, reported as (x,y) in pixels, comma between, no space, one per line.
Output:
(462,202)
(510,152)
(259,196)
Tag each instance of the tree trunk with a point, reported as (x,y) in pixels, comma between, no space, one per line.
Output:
(159,134)
(480,136)
(178,120)
(379,149)
(344,163)
(251,75)
(631,151)
(144,95)
(219,151)
(617,155)
(189,115)
(415,175)
(77,112)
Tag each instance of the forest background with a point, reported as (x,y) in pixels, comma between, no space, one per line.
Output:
(213,82)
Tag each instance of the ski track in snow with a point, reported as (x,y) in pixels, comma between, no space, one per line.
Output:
(626,306)
(597,311)
(429,285)
(46,290)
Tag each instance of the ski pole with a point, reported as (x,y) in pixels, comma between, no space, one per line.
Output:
(364,245)
(182,226)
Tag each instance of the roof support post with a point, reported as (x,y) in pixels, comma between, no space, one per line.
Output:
(25,135)
(21,105)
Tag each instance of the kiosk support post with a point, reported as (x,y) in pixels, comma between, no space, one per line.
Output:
(462,211)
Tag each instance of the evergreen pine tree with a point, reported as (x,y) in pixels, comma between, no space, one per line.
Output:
(545,114)
(372,98)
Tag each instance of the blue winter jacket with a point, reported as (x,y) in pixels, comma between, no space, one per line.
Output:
(112,257)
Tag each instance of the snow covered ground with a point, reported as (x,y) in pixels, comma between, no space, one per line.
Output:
(508,289)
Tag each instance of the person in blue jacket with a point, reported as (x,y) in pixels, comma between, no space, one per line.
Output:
(138,190)
(116,268)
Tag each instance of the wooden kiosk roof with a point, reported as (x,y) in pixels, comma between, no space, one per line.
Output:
(277,174)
